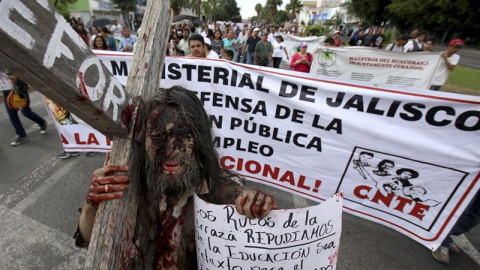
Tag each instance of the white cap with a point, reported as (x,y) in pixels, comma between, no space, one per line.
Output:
(207,41)
(256,29)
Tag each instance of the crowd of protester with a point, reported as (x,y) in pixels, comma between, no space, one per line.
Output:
(263,44)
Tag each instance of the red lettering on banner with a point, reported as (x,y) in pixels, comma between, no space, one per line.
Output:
(109,142)
(92,139)
(418,210)
(266,170)
(358,189)
(386,200)
(77,139)
(288,177)
(64,141)
(301,182)
(401,203)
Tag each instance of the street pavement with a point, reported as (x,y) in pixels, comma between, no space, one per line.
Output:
(40,196)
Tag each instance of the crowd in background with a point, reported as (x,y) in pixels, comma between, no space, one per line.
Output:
(263,45)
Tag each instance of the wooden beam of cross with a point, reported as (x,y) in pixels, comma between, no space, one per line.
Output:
(39,46)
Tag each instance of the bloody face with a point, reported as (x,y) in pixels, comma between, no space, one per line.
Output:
(169,144)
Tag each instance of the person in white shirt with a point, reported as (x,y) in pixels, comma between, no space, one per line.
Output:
(116,29)
(211,54)
(416,45)
(399,45)
(448,63)
(183,43)
(278,49)
(271,37)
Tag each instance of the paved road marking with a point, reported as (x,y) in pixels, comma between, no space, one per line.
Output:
(28,244)
(16,193)
(467,247)
(58,176)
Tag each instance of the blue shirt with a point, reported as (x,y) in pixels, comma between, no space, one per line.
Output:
(111,43)
(130,41)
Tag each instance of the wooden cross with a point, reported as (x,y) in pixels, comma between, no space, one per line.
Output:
(38,45)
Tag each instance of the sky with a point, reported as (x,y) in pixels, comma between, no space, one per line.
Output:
(247,7)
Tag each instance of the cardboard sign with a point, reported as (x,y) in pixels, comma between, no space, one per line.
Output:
(306,238)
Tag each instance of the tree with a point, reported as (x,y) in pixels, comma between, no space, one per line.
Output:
(272,6)
(61,6)
(294,8)
(372,12)
(195,5)
(258,9)
(280,17)
(177,5)
(62,2)
(223,10)
(232,8)
(458,15)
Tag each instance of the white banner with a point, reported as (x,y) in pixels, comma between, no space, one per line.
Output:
(306,238)
(377,66)
(76,136)
(292,44)
(390,149)
(5,82)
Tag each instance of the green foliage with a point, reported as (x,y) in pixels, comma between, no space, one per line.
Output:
(372,12)
(222,10)
(258,9)
(465,77)
(391,36)
(317,30)
(125,5)
(280,17)
(177,5)
(56,3)
(61,6)
(271,6)
(294,8)
(441,15)
(194,5)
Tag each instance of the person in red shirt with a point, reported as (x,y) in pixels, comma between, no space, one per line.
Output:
(302,60)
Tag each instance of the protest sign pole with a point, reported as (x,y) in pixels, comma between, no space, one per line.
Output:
(48,54)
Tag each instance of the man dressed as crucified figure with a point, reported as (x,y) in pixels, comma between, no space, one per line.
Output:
(177,158)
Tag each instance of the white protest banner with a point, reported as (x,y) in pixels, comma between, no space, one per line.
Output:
(305,238)
(5,82)
(307,135)
(292,44)
(76,136)
(377,66)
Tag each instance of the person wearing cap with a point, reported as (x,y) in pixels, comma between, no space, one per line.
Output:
(250,45)
(337,41)
(302,60)
(399,45)
(263,52)
(417,44)
(378,38)
(209,53)
(448,63)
